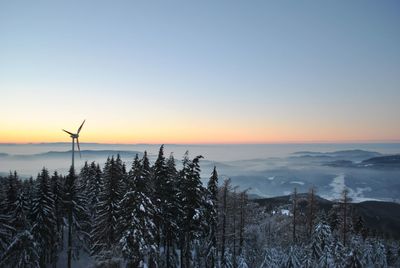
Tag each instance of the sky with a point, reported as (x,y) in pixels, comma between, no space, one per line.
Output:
(200,71)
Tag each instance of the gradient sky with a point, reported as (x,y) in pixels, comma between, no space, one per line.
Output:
(200,71)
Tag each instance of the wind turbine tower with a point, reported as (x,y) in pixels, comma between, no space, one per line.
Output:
(75,136)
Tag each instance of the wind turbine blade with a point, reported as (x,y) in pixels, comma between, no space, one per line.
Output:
(79,149)
(68,132)
(79,129)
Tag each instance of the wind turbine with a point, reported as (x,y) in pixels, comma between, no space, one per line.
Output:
(75,136)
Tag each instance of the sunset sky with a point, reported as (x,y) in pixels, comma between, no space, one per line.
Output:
(200,71)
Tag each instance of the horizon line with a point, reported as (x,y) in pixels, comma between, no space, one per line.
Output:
(216,143)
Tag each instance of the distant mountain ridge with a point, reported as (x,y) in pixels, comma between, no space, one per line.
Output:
(388,161)
(355,155)
(84,153)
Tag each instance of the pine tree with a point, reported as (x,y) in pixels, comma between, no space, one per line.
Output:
(160,196)
(233,216)
(311,211)
(21,253)
(333,218)
(345,222)
(294,213)
(84,176)
(76,216)
(321,239)
(20,216)
(138,228)
(339,253)
(12,192)
(44,227)
(191,192)
(57,191)
(380,259)
(272,259)
(242,262)
(6,231)
(93,188)
(242,220)
(171,211)
(212,219)
(326,260)
(368,255)
(29,191)
(353,260)
(223,220)
(121,170)
(292,259)
(105,233)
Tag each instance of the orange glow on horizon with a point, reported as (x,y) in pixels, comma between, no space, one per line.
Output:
(164,137)
(187,131)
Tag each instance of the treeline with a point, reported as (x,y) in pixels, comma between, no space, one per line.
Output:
(158,215)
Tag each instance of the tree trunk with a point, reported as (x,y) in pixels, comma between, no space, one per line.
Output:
(242,218)
(234,228)
(223,234)
(345,203)
(294,214)
(69,248)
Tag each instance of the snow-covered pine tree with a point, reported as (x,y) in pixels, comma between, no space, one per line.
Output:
(233,224)
(241,263)
(21,253)
(321,240)
(92,189)
(392,254)
(243,202)
(295,212)
(171,212)
(345,220)
(180,213)
(20,215)
(326,260)
(28,187)
(44,219)
(12,192)
(368,255)
(223,222)
(76,217)
(146,174)
(165,199)
(353,259)
(84,176)
(311,211)
(6,231)
(339,253)
(291,260)
(160,197)
(121,169)
(380,259)
(105,233)
(137,215)
(333,217)
(211,216)
(57,190)
(272,258)
(192,205)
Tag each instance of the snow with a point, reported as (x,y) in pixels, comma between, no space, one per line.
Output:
(285,212)
(196,216)
(142,208)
